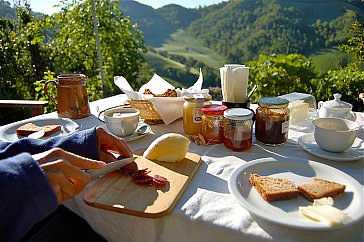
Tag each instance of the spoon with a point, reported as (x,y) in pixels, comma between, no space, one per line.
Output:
(251,93)
(140,131)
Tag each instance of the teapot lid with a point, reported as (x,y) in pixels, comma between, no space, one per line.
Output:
(337,103)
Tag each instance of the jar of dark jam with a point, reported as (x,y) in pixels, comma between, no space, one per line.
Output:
(212,126)
(272,121)
(238,126)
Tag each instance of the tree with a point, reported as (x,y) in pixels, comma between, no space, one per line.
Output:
(74,46)
(349,80)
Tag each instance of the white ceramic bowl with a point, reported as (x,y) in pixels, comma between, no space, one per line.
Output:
(335,134)
(122,121)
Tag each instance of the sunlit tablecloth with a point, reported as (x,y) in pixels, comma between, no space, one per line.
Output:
(206,211)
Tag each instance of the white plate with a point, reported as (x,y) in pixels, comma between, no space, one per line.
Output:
(8,132)
(356,151)
(299,171)
(128,138)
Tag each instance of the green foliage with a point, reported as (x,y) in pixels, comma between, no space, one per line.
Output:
(52,90)
(348,82)
(281,74)
(23,58)
(355,45)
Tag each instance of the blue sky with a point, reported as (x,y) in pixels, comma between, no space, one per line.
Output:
(46,6)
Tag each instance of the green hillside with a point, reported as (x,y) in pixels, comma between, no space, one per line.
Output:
(182,43)
(164,66)
(328,59)
(325,10)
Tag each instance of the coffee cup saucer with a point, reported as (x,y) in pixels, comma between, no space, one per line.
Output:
(355,152)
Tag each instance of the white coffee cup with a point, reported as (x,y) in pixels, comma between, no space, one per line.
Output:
(335,134)
(122,121)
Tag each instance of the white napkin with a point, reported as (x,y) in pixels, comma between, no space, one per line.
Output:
(124,85)
(156,85)
(196,88)
(169,108)
(234,82)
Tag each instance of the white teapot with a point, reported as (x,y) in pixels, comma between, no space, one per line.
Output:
(336,108)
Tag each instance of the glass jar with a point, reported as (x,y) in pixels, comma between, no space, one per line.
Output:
(238,127)
(192,116)
(272,121)
(212,125)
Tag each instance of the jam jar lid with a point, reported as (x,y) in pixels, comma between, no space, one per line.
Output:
(238,114)
(273,102)
(213,109)
(193,96)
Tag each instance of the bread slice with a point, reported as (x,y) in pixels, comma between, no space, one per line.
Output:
(51,129)
(27,129)
(274,189)
(30,128)
(320,188)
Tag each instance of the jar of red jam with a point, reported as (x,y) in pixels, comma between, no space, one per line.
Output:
(272,121)
(212,123)
(238,127)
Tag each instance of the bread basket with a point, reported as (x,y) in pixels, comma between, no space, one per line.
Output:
(147,111)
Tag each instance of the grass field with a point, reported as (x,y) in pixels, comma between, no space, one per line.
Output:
(327,59)
(181,43)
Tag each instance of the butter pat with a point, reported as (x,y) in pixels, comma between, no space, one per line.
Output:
(169,147)
(326,214)
(298,109)
(323,201)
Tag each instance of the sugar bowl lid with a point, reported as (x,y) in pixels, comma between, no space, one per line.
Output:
(337,103)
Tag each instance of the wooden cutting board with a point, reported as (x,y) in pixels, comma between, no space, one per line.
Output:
(117,192)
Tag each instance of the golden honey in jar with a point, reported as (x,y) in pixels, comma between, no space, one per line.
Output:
(212,123)
(238,129)
(272,121)
(192,116)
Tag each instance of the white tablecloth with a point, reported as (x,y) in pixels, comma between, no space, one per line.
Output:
(206,211)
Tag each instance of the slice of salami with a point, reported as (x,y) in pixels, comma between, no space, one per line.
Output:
(141,176)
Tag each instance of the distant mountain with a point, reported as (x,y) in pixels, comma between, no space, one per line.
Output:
(177,16)
(6,11)
(155,27)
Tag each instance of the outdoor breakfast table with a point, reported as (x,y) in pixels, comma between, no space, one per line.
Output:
(207,211)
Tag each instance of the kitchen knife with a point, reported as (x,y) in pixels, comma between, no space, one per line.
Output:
(109,167)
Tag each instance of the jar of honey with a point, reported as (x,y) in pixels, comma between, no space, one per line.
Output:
(192,116)
(272,121)
(238,128)
(212,127)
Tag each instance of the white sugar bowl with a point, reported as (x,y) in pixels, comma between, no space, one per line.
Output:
(336,109)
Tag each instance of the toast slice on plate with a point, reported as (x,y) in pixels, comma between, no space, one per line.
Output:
(274,189)
(30,128)
(320,188)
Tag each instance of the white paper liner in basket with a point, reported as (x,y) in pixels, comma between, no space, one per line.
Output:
(169,108)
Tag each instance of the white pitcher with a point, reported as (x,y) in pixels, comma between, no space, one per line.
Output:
(336,108)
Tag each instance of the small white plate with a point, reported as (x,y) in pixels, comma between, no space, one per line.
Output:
(299,171)
(356,151)
(8,132)
(130,138)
